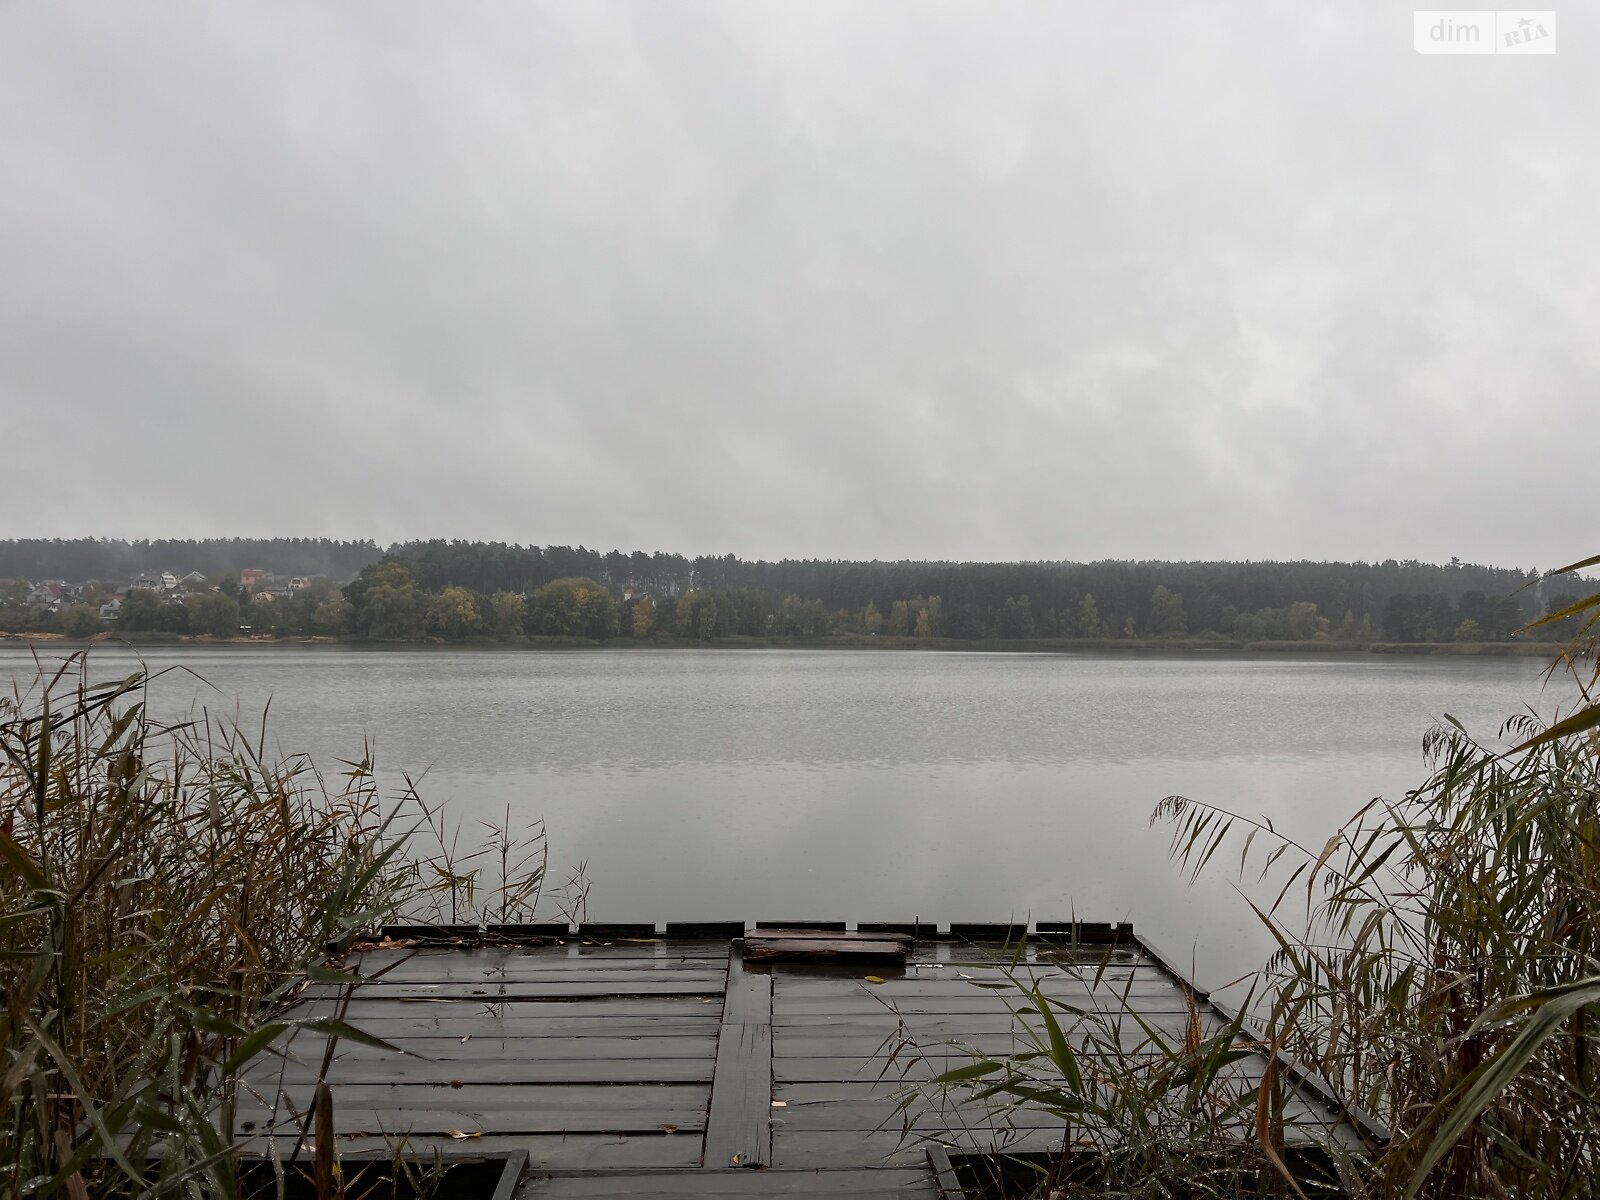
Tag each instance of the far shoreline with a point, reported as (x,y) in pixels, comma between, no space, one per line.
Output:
(1510,649)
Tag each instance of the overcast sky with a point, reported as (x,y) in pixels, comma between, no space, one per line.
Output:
(868,279)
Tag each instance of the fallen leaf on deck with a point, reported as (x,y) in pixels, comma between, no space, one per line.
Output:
(780,1104)
(874,979)
(458,1083)
(735,1160)
(667,1128)
(465,1036)
(461,1135)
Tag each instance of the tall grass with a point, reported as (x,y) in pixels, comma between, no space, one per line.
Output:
(1437,967)
(158,883)
(1147,1106)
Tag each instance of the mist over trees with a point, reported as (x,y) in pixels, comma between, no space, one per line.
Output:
(112,559)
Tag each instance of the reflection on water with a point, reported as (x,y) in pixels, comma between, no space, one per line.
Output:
(715,785)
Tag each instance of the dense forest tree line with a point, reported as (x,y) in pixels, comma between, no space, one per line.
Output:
(1249,601)
(456,589)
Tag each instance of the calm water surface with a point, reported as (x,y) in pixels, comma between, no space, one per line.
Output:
(718,785)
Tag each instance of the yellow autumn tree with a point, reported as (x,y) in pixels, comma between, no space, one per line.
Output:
(454,613)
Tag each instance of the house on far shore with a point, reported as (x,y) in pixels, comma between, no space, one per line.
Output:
(52,593)
(145,583)
(111,610)
(253,577)
(192,579)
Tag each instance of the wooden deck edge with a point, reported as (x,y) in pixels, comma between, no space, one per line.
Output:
(446,933)
(944,1174)
(511,1177)
(1300,1075)
(1170,965)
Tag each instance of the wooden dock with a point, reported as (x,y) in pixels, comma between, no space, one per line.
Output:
(646,1065)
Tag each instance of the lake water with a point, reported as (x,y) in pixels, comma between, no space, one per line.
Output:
(777,784)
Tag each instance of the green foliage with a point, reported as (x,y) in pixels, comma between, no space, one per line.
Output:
(696,616)
(81,621)
(899,619)
(142,611)
(574,608)
(1089,623)
(391,613)
(642,622)
(1167,618)
(509,610)
(1015,619)
(214,614)
(1297,622)
(871,619)
(962,621)
(453,613)
(333,617)
(802,618)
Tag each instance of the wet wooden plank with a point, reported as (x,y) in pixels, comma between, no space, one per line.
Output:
(1055,983)
(477,1048)
(807,1150)
(786,1044)
(531,968)
(567,1108)
(867,1002)
(713,949)
(875,1105)
(552,1152)
(737,1129)
(456,1024)
(822,1150)
(893,1184)
(942,1027)
(521,1068)
(620,1007)
(638,983)
(822,1070)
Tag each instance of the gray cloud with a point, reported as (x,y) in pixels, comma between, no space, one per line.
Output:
(955,280)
